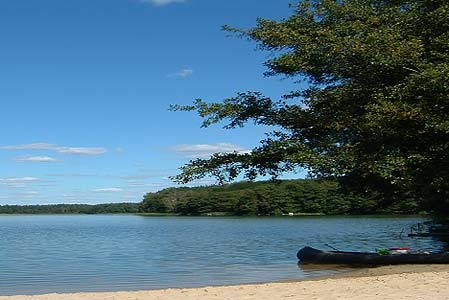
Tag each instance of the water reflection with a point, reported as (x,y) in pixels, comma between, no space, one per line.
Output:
(313,270)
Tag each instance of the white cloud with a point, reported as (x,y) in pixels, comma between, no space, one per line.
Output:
(206,150)
(57,148)
(108,190)
(18,179)
(34,146)
(162,2)
(182,73)
(30,193)
(17,182)
(35,159)
(71,175)
(142,184)
(120,150)
(81,150)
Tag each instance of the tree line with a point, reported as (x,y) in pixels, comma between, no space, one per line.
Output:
(265,198)
(107,208)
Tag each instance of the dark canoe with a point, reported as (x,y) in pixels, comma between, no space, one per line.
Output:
(315,256)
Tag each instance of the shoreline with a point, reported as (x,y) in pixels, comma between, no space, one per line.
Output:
(386,282)
(382,270)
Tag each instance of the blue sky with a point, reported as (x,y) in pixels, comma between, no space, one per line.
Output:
(85,87)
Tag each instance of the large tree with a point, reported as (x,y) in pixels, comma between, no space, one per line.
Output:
(376,110)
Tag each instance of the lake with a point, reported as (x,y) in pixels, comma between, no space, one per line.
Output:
(73,253)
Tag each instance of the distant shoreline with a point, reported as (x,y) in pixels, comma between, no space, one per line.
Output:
(62,208)
(298,215)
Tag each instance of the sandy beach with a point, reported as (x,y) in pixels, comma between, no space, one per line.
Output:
(390,282)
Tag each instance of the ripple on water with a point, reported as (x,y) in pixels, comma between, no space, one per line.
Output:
(43,254)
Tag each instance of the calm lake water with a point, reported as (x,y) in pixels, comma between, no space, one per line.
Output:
(71,253)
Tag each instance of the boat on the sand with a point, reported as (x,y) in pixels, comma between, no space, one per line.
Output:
(315,256)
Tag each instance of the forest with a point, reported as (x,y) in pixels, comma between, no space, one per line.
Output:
(108,208)
(267,198)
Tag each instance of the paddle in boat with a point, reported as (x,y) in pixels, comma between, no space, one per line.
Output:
(389,257)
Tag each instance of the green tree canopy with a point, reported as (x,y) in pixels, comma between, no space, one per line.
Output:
(376,110)
(265,198)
